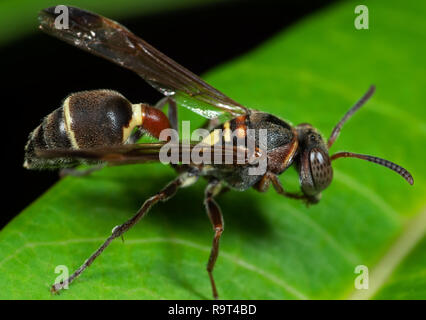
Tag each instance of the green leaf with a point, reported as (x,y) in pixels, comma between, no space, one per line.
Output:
(272,247)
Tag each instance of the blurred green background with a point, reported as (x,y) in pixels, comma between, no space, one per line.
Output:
(272,247)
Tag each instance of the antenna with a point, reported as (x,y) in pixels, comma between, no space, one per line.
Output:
(386,163)
(336,131)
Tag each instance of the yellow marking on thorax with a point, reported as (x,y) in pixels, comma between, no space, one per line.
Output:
(68,122)
(137,120)
(241,132)
(227,131)
(212,138)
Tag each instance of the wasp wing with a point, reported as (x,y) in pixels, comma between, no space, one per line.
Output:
(166,153)
(112,41)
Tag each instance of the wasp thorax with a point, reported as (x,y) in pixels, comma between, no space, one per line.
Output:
(86,119)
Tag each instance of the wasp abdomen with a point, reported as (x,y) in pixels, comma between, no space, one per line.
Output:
(87,119)
(97,118)
(50,134)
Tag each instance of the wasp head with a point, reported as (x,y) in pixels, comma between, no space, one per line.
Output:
(314,163)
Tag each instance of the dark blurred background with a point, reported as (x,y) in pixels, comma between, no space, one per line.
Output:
(39,71)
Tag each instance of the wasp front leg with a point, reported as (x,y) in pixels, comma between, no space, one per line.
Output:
(269,178)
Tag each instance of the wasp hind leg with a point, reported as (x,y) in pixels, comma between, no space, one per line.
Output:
(165,194)
(172,112)
(216,218)
(210,124)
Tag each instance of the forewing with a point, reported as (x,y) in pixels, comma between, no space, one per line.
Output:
(149,152)
(110,40)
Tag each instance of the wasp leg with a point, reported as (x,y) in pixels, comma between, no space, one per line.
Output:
(80,172)
(215,216)
(172,113)
(269,177)
(165,194)
(210,124)
(173,116)
(135,136)
(308,200)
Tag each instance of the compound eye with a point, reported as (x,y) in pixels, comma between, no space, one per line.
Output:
(321,170)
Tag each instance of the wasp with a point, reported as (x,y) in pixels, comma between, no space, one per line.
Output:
(102,127)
